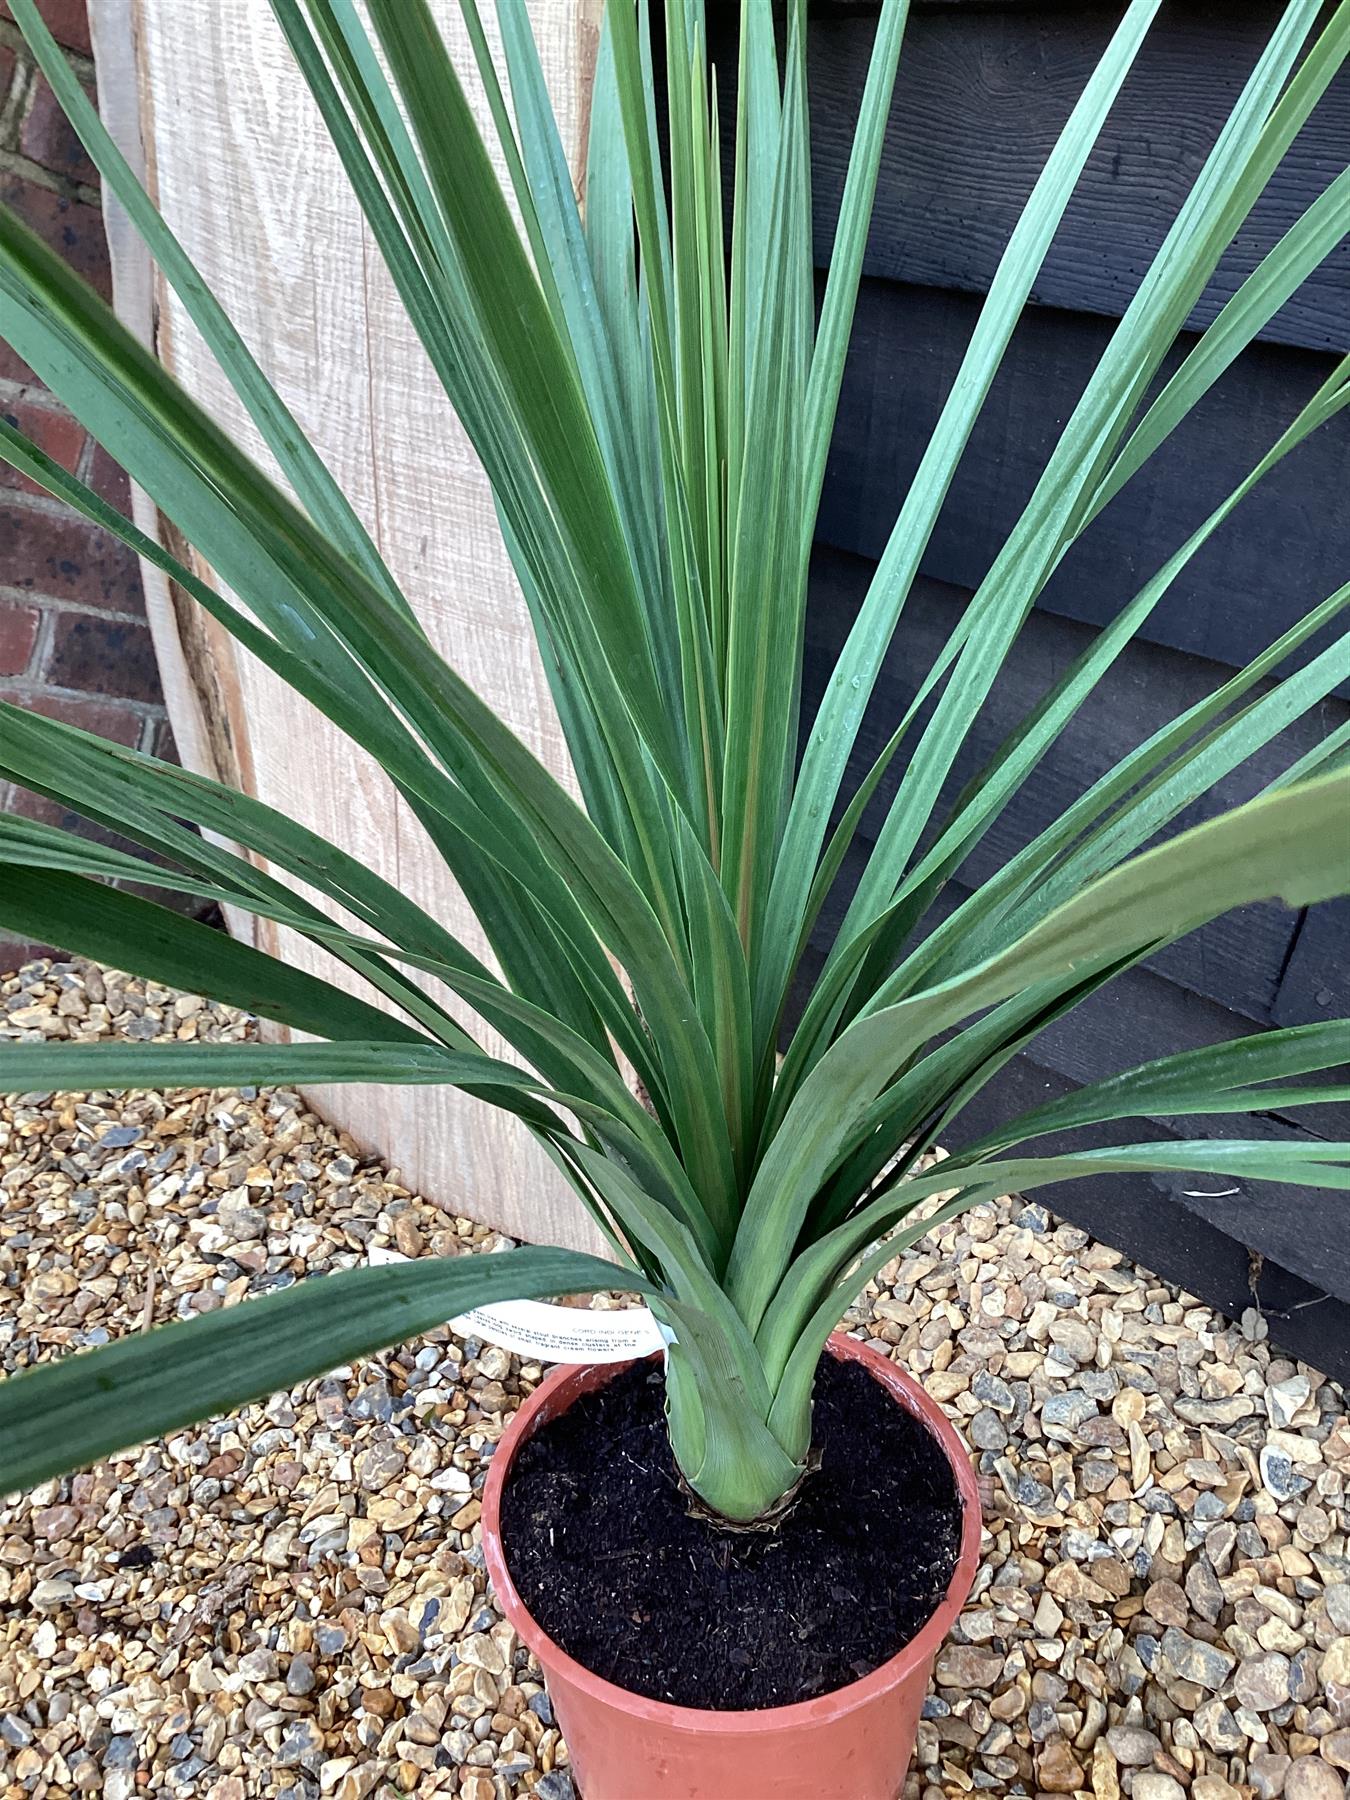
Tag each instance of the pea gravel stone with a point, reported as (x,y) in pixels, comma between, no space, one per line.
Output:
(291,1601)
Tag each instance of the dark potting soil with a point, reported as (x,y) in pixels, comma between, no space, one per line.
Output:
(607,1556)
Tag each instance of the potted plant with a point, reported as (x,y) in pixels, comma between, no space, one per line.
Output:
(652,394)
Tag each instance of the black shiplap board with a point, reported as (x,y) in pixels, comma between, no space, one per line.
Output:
(985,86)
(868,9)
(1293,1226)
(1265,964)
(980,100)
(1144,1014)
(1316,980)
(1238,960)
(1286,548)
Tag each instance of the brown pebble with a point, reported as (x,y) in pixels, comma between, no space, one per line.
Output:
(294,1529)
(1166,1602)
(1058,1769)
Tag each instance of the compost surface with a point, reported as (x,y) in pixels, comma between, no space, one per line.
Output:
(606,1554)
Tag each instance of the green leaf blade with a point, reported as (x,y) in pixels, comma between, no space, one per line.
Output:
(68,1413)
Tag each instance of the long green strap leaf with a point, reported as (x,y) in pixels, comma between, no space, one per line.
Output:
(498,901)
(1291,845)
(841,710)
(1318,1164)
(129,933)
(982,924)
(1225,190)
(768,572)
(68,1413)
(303,467)
(1218,1078)
(561,1056)
(982,802)
(1195,772)
(511,316)
(1279,275)
(911,1115)
(790,1415)
(113,1066)
(566,256)
(146,800)
(524,809)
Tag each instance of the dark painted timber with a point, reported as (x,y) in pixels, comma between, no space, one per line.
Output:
(981,98)
(1282,552)
(985,86)
(1250,969)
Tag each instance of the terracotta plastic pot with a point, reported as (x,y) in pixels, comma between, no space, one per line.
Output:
(853,1744)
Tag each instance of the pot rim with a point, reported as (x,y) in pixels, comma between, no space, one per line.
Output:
(910,1659)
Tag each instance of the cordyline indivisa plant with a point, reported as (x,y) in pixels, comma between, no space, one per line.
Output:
(651,390)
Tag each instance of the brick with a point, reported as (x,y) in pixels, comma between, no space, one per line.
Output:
(94,654)
(31,806)
(48,138)
(73,228)
(164,746)
(50,429)
(15,952)
(109,481)
(120,724)
(13,367)
(27,805)
(67,20)
(18,634)
(55,553)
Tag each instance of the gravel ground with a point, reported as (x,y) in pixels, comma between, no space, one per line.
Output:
(292,1602)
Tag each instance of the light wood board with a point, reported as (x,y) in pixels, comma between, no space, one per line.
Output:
(202,94)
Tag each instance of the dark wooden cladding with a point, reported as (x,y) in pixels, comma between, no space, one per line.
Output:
(1279,1247)
(868,9)
(1236,1249)
(1316,979)
(1263,569)
(983,92)
(982,97)
(1131,1021)
(1240,960)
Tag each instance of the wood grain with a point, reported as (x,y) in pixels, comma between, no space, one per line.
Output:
(244,172)
(980,100)
(1316,979)
(1237,960)
(1165,1221)
(1285,549)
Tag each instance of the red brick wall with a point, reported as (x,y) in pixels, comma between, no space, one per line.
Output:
(73,639)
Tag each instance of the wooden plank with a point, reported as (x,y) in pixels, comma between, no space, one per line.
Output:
(868,9)
(1144,1015)
(1241,590)
(1219,983)
(198,726)
(242,168)
(980,100)
(1316,979)
(1239,959)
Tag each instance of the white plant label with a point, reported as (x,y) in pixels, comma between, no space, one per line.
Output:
(556,1334)
(564,1334)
